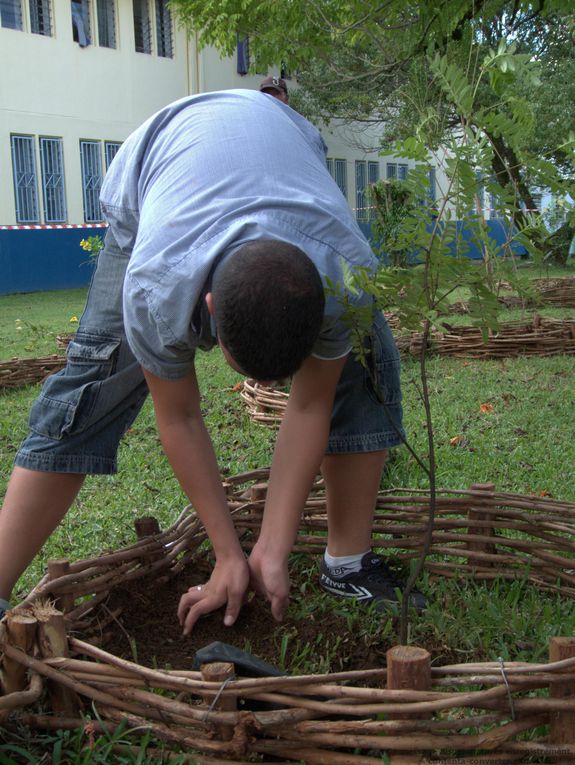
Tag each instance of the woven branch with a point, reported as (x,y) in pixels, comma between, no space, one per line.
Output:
(16,373)
(489,707)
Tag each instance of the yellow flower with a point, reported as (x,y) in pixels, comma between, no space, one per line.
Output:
(73,320)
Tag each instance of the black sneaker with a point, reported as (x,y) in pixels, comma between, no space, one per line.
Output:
(375,583)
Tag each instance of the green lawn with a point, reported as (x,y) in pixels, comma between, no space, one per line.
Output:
(523,442)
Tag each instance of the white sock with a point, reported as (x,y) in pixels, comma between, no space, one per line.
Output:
(343,565)
(4,604)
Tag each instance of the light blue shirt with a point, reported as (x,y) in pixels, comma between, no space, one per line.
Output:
(194,183)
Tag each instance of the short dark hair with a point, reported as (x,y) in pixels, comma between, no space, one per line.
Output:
(269,304)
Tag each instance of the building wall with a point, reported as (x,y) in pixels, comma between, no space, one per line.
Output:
(51,87)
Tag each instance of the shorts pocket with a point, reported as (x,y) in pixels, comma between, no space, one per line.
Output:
(74,398)
(383,372)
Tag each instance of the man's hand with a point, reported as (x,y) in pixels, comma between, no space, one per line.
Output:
(227,586)
(270,578)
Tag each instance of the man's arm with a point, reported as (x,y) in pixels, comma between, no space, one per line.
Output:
(299,451)
(189,449)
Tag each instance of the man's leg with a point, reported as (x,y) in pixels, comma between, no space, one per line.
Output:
(34,505)
(76,422)
(352,484)
(366,422)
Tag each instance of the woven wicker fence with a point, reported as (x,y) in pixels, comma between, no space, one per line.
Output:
(16,373)
(415,712)
(537,337)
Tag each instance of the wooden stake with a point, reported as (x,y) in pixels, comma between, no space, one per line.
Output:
(408,668)
(149,526)
(57,568)
(21,633)
(146,527)
(562,729)
(479,514)
(53,643)
(219,672)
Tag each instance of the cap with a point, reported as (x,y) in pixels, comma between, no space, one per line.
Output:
(274,83)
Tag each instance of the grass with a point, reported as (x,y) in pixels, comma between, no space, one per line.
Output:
(522,442)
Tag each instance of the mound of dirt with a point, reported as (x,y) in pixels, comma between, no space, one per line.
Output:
(317,634)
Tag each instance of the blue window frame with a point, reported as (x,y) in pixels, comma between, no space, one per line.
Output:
(164,39)
(11,14)
(106,23)
(91,162)
(340,175)
(53,188)
(110,151)
(142,26)
(25,179)
(41,17)
(361,209)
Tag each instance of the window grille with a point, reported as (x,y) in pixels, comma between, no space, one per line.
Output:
(372,178)
(106,13)
(243,55)
(40,17)
(11,14)
(164,29)
(91,180)
(432,190)
(52,163)
(24,172)
(340,175)
(402,170)
(142,29)
(110,151)
(81,22)
(329,163)
(391,170)
(360,190)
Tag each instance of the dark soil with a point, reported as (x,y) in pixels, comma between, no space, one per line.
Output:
(317,635)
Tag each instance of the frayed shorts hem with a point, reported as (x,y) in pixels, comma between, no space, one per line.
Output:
(66,463)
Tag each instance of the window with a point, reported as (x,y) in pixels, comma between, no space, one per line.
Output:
(372,172)
(329,163)
(40,17)
(24,172)
(110,151)
(432,190)
(91,179)
(164,29)
(11,14)
(402,171)
(142,30)
(243,55)
(81,22)
(106,23)
(361,211)
(391,170)
(340,175)
(372,178)
(53,180)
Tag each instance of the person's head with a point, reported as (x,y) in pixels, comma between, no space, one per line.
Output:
(276,87)
(268,303)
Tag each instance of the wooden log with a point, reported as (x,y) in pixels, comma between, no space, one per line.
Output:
(408,668)
(562,730)
(53,643)
(21,633)
(477,528)
(145,527)
(57,568)
(219,672)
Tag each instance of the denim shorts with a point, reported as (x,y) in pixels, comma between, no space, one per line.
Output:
(83,411)
(367,413)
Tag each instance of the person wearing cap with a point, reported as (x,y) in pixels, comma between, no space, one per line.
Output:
(276,87)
